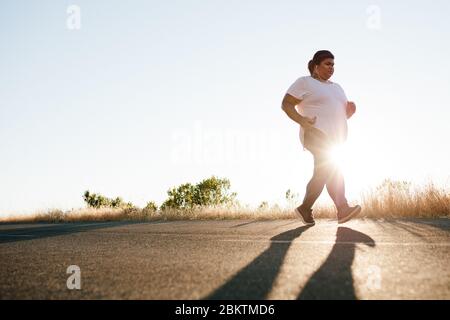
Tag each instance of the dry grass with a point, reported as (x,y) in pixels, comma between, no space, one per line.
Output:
(395,199)
(392,199)
(136,214)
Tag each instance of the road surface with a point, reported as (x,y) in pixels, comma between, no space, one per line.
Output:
(235,259)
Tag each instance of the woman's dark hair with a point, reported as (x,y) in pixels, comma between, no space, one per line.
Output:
(319,56)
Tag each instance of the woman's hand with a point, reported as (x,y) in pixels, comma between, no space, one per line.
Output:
(308,123)
(351,109)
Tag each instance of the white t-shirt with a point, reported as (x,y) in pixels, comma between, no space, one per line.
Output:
(326,101)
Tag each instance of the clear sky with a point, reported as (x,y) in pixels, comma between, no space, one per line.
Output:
(147,95)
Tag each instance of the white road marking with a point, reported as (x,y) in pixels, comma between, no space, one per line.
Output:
(265,240)
(377,243)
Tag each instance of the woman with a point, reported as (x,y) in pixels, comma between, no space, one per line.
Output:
(323,113)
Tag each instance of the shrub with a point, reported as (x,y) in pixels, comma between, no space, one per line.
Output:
(151,206)
(94,200)
(209,192)
(291,197)
(263,205)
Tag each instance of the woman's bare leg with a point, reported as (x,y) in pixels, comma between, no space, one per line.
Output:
(336,187)
(315,186)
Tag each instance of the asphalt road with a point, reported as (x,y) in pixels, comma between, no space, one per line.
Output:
(362,259)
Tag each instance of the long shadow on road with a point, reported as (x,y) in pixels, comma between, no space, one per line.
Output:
(256,280)
(37,231)
(334,280)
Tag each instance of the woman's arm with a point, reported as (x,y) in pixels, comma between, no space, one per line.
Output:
(288,106)
(351,109)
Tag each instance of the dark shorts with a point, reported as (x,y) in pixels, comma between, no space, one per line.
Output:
(316,141)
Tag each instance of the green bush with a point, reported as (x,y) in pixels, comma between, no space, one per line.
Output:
(209,192)
(94,200)
(151,206)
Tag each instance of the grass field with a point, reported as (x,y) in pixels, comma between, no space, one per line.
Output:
(389,200)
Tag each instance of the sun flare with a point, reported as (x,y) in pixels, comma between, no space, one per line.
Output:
(338,155)
(348,160)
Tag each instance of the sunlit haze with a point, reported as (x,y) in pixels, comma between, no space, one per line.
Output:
(147,95)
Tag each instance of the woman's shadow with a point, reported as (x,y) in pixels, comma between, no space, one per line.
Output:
(255,281)
(334,280)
